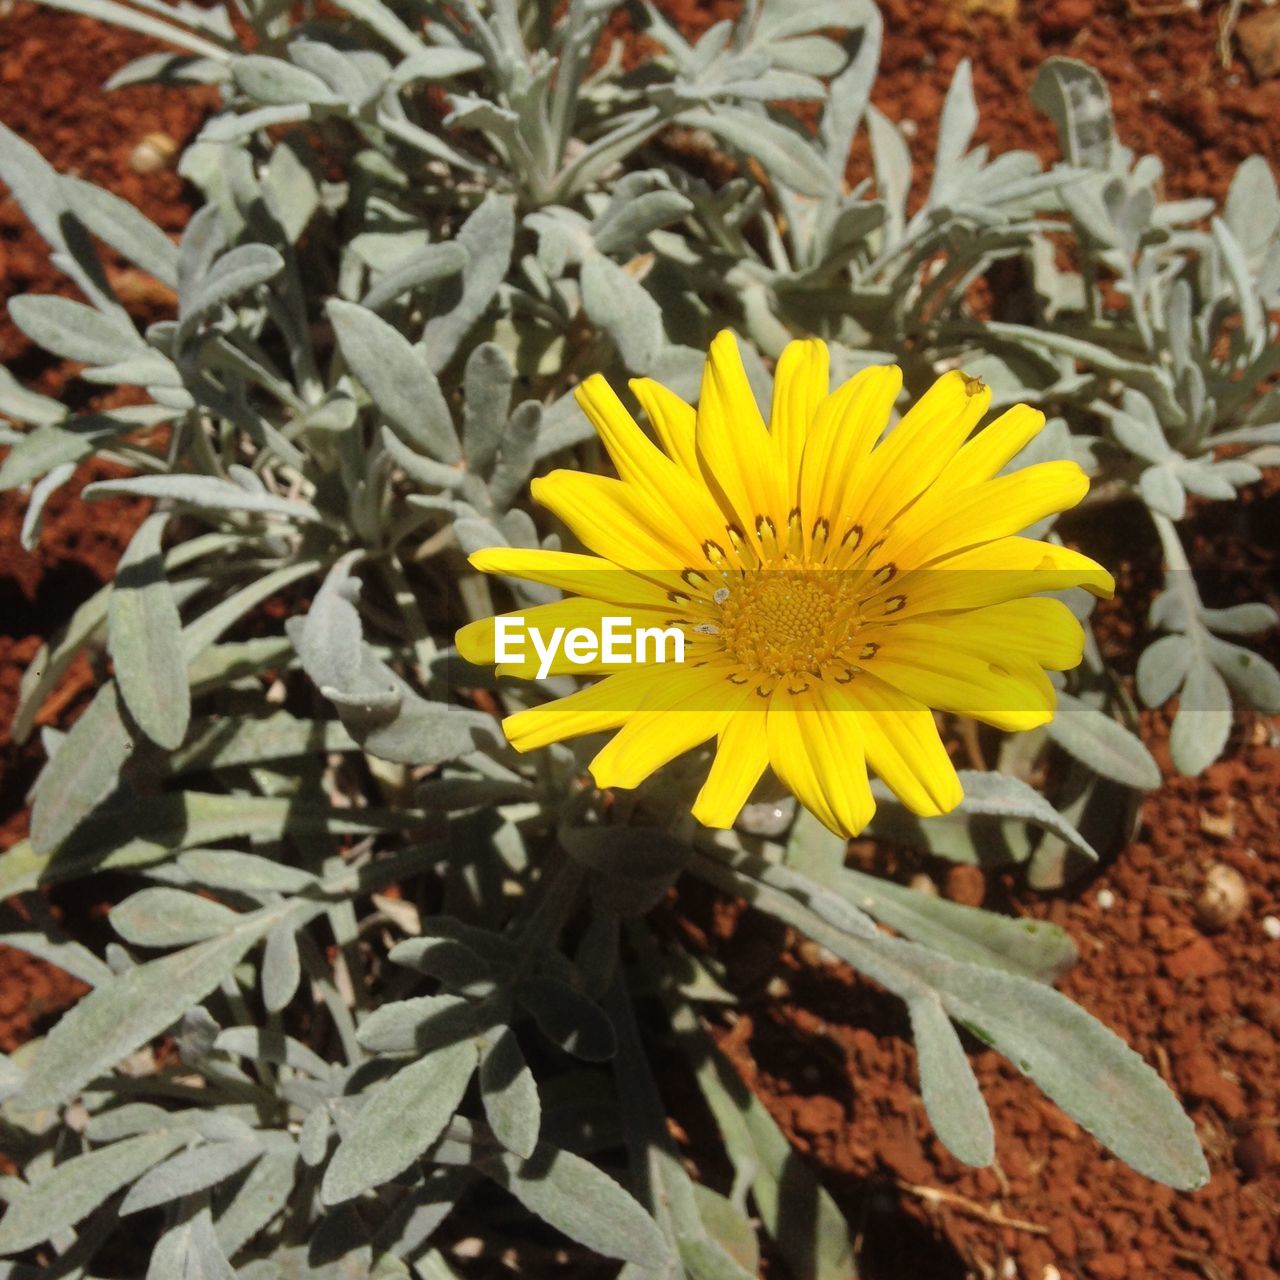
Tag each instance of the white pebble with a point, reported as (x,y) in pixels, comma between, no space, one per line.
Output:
(1271,927)
(1106,899)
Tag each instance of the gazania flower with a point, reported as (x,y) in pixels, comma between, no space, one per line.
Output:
(832,586)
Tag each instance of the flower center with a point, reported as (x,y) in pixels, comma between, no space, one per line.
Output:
(782,622)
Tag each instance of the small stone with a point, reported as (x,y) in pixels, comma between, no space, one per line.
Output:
(1105,899)
(1108,1266)
(1265,1011)
(1259,38)
(1198,1076)
(153,153)
(1257,1152)
(1198,959)
(1222,826)
(1271,927)
(1223,899)
(966,886)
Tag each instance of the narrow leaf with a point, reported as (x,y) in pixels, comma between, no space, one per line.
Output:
(116,1018)
(401,1119)
(71,1190)
(488,236)
(145,637)
(281,966)
(578,1199)
(399,381)
(238,270)
(1106,747)
(951,1096)
(206,493)
(84,772)
(509,1093)
(164,917)
(1203,720)
(487,383)
(73,330)
(190,1171)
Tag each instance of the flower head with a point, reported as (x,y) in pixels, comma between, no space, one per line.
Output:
(832,586)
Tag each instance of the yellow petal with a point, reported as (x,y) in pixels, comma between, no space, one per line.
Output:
(985,512)
(915,452)
(595,709)
(615,521)
(846,426)
(739,461)
(903,746)
(1006,691)
(818,754)
(800,385)
(673,419)
(1041,630)
(577,574)
(681,710)
(993,447)
(1007,569)
(674,494)
(742,755)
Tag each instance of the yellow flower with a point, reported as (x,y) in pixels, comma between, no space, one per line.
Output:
(831,586)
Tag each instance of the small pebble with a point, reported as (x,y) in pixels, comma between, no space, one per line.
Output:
(1223,899)
(768,818)
(1271,927)
(1257,1152)
(965,885)
(1106,899)
(153,153)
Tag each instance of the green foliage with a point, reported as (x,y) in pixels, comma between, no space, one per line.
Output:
(421,226)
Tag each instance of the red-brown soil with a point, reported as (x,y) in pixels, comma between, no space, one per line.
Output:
(831,1056)
(51,68)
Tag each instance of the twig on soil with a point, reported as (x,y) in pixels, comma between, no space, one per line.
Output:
(1227,20)
(1157,10)
(972,745)
(1205,1265)
(997,1217)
